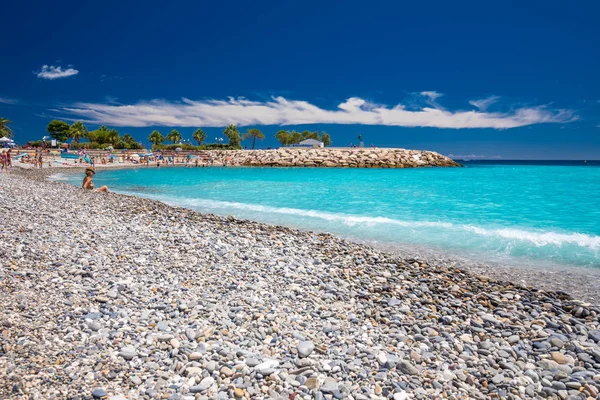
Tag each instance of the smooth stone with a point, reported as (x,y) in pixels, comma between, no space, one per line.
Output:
(195,356)
(98,393)
(513,339)
(162,326)
(211,366)
(252,362)
(330,385)
(312,383)
(267,367)
(128,352)
(558,385)
(560,358)
(407,368)
(305,348)
(206,383)
(94,326)
(400,395)
(498,379)
(393,302)
(594,335)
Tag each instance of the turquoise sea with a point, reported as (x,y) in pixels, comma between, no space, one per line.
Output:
(530,213)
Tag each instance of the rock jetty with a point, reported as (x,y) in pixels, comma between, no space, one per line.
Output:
(333,157)
(115,297)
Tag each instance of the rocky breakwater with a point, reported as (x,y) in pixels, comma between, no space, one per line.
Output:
(107,296)
(334,157)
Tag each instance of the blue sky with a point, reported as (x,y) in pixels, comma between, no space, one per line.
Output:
(508,79)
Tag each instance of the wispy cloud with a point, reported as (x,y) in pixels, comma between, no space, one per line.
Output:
(52,72)
(280,111)
(8,100)
(484,104)
(430,98)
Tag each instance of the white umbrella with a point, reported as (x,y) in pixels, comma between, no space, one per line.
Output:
(4,139)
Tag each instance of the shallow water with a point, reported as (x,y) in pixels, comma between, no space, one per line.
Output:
(528,214)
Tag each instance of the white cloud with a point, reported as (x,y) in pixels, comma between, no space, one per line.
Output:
(8,100)
(52,72)
(280,111)
(483,104)
(430,98)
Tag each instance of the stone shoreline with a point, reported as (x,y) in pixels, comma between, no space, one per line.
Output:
(334,157)
(113,296)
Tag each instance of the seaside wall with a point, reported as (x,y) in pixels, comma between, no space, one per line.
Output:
(332,157)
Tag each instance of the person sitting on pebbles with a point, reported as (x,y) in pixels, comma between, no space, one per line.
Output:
(87,181)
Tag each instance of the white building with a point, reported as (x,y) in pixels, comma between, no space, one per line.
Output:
(311,143)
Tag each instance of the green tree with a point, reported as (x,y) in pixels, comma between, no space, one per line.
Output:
(128,139)
(156,138)
(199,136)
(295,138)
(310,135)
(254,134)
(77,131)
(5,130)
(174,136)
(326,139)
(113,137)
(284,137)
(232,133)
(99,135)
(59,130)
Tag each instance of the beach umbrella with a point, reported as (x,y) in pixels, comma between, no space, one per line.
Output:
(178,149)
(4,139)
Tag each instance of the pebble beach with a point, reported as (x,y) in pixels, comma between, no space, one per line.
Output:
(107,296)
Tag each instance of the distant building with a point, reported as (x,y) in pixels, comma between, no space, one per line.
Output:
(310,143)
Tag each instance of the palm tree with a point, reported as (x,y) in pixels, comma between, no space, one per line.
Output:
(127,138)
(77,131)
(113,136)
(233,135)
(284,137)
(199,136)
(254,134)
(156,138)
(5,131)
(174,136)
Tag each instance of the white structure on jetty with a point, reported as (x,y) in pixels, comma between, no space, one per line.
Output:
(309,143)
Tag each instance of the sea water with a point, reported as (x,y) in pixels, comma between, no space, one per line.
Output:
(504,212)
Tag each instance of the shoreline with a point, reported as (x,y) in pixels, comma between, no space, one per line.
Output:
(134,297)
(580,282)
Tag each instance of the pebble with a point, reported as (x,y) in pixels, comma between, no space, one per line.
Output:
(128,352)
(99,393)
(159,302)
(305,348)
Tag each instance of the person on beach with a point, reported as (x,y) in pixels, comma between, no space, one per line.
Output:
(40,161)
(8,159)
(88,184)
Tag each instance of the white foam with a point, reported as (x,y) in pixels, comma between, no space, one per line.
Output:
(538,239)
(59,177)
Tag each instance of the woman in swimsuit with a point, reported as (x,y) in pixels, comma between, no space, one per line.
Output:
(87,181)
